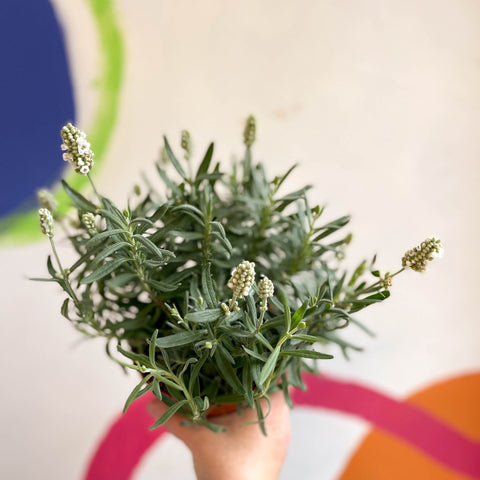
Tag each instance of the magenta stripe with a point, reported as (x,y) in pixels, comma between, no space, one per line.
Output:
(124,444)
(407,422)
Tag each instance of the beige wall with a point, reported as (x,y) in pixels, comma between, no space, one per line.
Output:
(379,102)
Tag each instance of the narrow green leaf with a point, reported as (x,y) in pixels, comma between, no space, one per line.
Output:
(196,371)
(364,302)
(203,316)
(161,286)
(136,392)
(102,236)
(151,348)
(306,338)
(279,180)
(227,371)
(50,267)
(172,186)
(34,279)
(160,212)
(339,285)
(305,354)
(79,200)
(104,270)
(286,308)
(142,221)
(222,236)
(108,251)
(180,339)
(152,248)
(247,384)
(286,393)
(261,418)
(269,366)
(174,160)
(203,168)
(299,314)
(208,289)
(117,220)
(263,341)
(64,309)
(156,389)
(169,414)
(192,212)
(295,195)
(331,227)
(136,357)
(254,354)
(214,427)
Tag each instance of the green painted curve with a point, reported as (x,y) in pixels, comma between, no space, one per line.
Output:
(23,227)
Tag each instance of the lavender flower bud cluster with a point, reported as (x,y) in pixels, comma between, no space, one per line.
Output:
(77,150)
(46,222)
(265,288)
(417,257)
(186,143)
(249,132)
(88,220)
(242,279)
(47,200)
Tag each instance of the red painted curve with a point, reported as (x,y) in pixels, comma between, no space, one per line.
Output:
(129,437)
(124,444)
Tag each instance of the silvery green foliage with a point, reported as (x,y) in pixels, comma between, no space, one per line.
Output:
(154,279)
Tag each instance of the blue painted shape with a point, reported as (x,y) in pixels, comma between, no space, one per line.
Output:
(36,100)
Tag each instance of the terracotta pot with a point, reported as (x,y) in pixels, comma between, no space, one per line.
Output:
(224,409)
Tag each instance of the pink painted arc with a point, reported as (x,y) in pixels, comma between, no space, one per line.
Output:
(117,456)
(124,444)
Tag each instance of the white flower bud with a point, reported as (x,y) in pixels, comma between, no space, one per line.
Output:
(265,288)
(242,279)
(46,222)
(79,153)
(47,200)
(88,220)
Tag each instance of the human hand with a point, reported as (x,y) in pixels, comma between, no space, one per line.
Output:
(242,452)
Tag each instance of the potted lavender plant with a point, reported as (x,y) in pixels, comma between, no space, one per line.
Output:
(221,289)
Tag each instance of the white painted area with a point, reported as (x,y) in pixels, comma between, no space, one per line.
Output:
(380,104)
(83,55)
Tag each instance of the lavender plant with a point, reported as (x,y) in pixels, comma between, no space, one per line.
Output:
(171,281)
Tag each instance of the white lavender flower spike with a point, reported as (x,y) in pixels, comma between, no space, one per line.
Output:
(46,222)
(242,279)
(88,220)
(46,200)
(417,257)
(265,288)
(77,149)
(249,132)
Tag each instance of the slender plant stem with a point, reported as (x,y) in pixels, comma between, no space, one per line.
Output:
(263,308)
(64,275)
(94,189)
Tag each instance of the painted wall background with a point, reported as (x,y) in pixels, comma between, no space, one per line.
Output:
(380,105)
